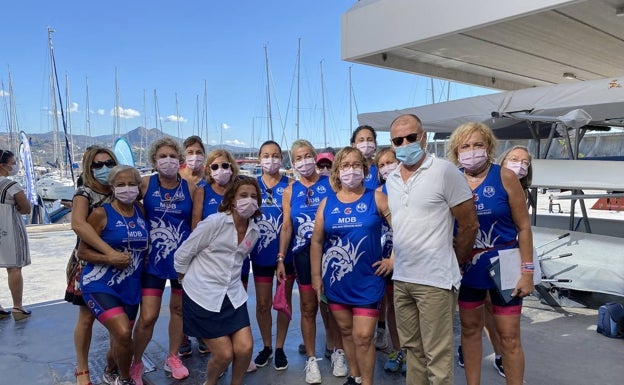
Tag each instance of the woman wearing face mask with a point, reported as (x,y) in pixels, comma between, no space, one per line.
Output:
(14,258)
(387,162)
(168,205)
(299,203)
(210,261)
(346,261)
(518,159)
(263,256)
(364,138)
(503,224)
(110,286)
(324,161)
(193,168)
(97,162)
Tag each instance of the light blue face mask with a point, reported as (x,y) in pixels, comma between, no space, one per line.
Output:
(101,175)
(409,154)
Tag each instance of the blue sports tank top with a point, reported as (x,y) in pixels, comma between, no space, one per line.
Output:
(372,179)
(496,229)
(270,223)
(212,200)
(169,212)
(122,234)
(303,205)
(352,245)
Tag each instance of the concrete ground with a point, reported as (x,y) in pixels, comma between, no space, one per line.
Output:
(561,344)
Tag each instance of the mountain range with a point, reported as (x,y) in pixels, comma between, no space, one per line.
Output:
(140,139)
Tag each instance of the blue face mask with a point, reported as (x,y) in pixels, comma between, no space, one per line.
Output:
(101,175)
(409,154)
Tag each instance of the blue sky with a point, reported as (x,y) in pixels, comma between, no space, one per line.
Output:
(173,48)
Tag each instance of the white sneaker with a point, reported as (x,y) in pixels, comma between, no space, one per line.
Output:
(339,364)
(381,339)
(313,374)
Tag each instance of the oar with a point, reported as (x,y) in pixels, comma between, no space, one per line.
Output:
(555,257)
(554,240)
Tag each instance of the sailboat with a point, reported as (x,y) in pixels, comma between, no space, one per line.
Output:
(58,184)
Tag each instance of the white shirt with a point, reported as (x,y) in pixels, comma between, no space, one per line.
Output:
(212,259)
(423,223)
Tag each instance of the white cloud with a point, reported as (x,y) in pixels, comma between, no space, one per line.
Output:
(213,141)
(73,107)
(125,113)
(100,112)
(225,126)
(3,93)
(174,118)
(235,142)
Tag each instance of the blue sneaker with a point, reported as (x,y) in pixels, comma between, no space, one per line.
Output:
(460,356)
(186,348)
(395,361)
(404,367)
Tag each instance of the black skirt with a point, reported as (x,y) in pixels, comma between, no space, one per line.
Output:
(201,323)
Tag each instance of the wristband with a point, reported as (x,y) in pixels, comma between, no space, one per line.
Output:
(280,257)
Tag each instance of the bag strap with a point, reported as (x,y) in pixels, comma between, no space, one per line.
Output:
(5,190)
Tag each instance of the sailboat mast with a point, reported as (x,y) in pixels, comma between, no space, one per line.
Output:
(69,122)
(323,99)
(350,104)
(144,131)
(55,141)
(268,93)
(205,112)
(298,83)
(156,114)
(88,114)
(117,128)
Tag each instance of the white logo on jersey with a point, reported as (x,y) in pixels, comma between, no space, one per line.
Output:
(269,228)
(361,207)
(489,191)
(340,259)
(321,189)
(336,210)
(212,201)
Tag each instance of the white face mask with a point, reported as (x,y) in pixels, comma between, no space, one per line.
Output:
(270,165)
(194,162)
(246,207)
(14,170)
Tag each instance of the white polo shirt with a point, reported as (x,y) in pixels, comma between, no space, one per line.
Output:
(423,223)
(212,259)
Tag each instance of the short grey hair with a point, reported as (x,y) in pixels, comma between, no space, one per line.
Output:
(121,168)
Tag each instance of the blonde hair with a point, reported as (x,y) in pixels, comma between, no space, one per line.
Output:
(303,143)
(528,178)
(334,179)
(462,132)
(218,154)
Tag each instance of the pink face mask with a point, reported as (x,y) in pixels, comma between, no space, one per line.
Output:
(387,169)
(221,176)
(270,165)
(367,149)
(351,177)
(194,162)
(473,160)
(246,207)
(305,167)
(519,168)
(168,166)
(126,194)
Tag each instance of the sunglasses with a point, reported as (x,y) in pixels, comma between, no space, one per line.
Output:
(309,194)
(215,166)
(324,165)
(269,200)
(98,165)
(398,140)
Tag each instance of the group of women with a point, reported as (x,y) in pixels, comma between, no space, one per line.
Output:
(201,226)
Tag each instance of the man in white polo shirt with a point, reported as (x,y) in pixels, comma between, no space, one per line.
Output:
(426,196)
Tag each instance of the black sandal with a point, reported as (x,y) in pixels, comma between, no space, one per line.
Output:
(20,313)
(4,313)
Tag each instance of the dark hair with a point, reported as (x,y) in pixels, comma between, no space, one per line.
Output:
(268,142)
(230,192)
(193,139)
(360,128)
(5,156)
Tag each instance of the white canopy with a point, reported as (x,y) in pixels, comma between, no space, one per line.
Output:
(508,112)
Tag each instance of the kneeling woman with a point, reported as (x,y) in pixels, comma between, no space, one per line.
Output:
(209,266)
(111,288)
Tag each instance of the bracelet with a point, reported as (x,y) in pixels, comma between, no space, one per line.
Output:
(280,257)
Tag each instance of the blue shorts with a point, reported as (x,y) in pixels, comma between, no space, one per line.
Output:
(471,298)
(303,268)
(104,306)
(153,286)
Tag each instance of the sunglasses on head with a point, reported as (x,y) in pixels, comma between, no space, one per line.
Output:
(215,166)
(398,140)
(108,163)
(269,200)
